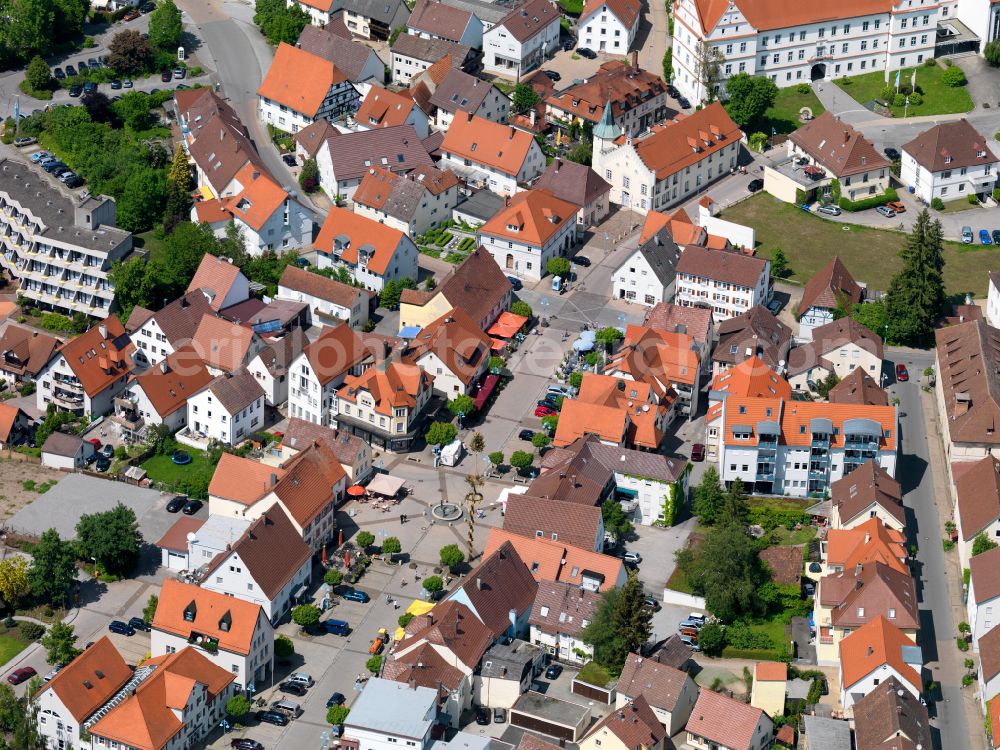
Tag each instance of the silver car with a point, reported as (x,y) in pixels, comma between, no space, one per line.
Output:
(829,210)
(967,235)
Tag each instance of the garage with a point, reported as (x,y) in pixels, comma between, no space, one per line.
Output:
(550,716)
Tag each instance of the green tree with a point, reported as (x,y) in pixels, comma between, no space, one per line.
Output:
(872,315)
(524,97)
(133,285)
(576,379)
(521,460)
(550,423)
(735,507)
(165,28)
(309,176)
(306,616)
(391,292)
(712,639)
(441,433)
(141,201)
(337,715)
(112,538)
(278,22)
(451,556)
(953,76)
(15,580)
(521,308)
(582,153)
(668,64)
(827,384)
(992,53)
(707,67)
(779,264)
(496,458)
(616,522)
(365,539)
(757,141)
(609,337)
(432,584)
(27,28)
(129,53)
(53,568)
(622,624)
(981,544)
(558,267)
(38,75)
(237,708)
(497,365)
(916,294)
(58,643)
(283,647)
(333,578)
(391,546)
(374,664)
(178,189)
(462,404)
(404,619)
(134,111)
(539,440)
(749,97)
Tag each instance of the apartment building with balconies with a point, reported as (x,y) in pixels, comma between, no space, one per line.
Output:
(58,249)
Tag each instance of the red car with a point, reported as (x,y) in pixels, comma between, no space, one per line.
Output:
(130,16)
(698,452)
(544,411)
(20,675)
(901,374)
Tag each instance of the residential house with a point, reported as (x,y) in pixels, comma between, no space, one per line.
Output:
(330,301)
(344,159)
(628,727)
(411,720)
(88,372)
(564,521)
(157,335)
(225,346)
(649,275)
(768,690)
(580,185)
(984,590)
(720,721)
(557,561)
(375,19)
(949,161)
(373,253)
(477,286)
(454,350)
(221,281)
(64,451)
(160,394)
(433,19)
(522,40)
(847,600)
(59,247)
(322,367)
(839,348)
(228,409)
(801,448)
(24,353)
(750,378)
(425,667)
(830,288)
(355,60)
(300,88)
(273,364)
(728,281)
(867,492)
(977,503)
(15,427)
(500,592)
(755,333)
(665,360)
(989,666)
(620,413)
(827,159)
(534,228)
(385,405)
(669,692)
(233,634)
(267,565)
(505,672)
(694,321)
(412,203)
(412,55)
(993,300)
(874,653)
(461,94)
(312,138)
(558,618)
(487,154)
(382,108)
(858,388)
(673,162)
(891,715)
(454,633)
(638,98)
(353,453)
(609,25)
(869,542)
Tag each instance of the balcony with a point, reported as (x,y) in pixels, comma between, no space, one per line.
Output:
(65,381)
(206,642)
(820,441)
(72,400)
(861,444)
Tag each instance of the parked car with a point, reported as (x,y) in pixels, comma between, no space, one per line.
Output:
(526,435)
(514,282)
(653,603)
(138,623)
(127,83)
(102,463)
(967,235)
(116,84)
(685,104)
(689,623)
(698,452)
(273,717)
(984,237)
(688,631)
(755,185)
(58,74)
(289,159)
(775,306)
(337,699)
(548,401)
(690,642)
(52,166)
(82,65)
(180,73)
(166,76)
(568,45)
(147,7)
(89,87)
(74,182)
(554,670)
(70,71)
(75,91)
(304,678)
(293,688)
(176,504)
(20,675)
(130,16)
(697,617)
(25,140)
(245,743)
(559,390)
(122,628)
(996,236)
(829,209)
(896,206)
(632,557)
(191,507)
(552,75)
(65,177)
(378,643)
(39,156)
(544,411)
(92,63)
(354,595)
(482,716)
(885,211)
(586,52)
(336,627)
(672,90)
(891,154)
(51,673)
(108,450)
(902,375)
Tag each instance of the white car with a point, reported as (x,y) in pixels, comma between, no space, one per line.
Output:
(302,678)
(560,390)
(632,557)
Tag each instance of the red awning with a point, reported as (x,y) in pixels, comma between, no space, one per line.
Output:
(497,345)
(356,490)
(485,389)
(507,325)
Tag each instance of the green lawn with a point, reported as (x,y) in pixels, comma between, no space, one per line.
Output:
(938,98)
(187,478)
(573,7)
(150,242)
(783,115)
(678,582)
(793,537)
(10,647)
(776,629)
(870,254)
(956,206)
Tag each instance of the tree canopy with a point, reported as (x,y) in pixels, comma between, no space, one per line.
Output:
(621,625)
(129,53)
(462,404)
(59,642)
(451,556)
(112,538)
(53,568)
(280,22)
(916,294)
(441,433)
(616,522)
(524,97)
(14,579)
(749,97)
(165,28)
(38,27)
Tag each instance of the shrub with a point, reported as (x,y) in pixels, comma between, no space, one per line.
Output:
(712,639)
(803,88)
(333,577)
(953,77)
(899,100)
(973,199)
(916,99)
(888,94)
(876,200)
(404,619)
(374,665)
(963,645)
(937,204)
(337,715)
(283,647)
(30,631)
(365,539)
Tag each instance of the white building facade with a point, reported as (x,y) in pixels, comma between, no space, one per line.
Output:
(602,30)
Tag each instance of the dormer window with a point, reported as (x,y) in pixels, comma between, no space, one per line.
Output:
(190,611)
(226,622)
(981,153)
(947,160)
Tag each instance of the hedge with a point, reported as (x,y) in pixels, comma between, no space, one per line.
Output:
(771,518)
(876,200)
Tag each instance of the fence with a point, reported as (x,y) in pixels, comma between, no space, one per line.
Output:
(683,600)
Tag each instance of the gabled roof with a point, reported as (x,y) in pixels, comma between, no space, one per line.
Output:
(8,417)
(425,667)
(243,480)
(100,355)
(568,522)
(756,330)
(431,50)
(222,147)
(858,388)
(529,18)
(179,320)
(310,483)
(829,286)
(383,11)
(891,718)
(336,350)
(346,234)
(571,182)
(679,144)
(457,341)
(451,625)
(837,146)
(563,607)
(858,596)
(869,542)
(313,284)
(501,583)
(382,108)
(222,344)
(348,56)
(989,654)
(719,718)
(32,349)
(876,643)
(580,418)
(439,19)
(559,562)
(634,725)
(626,11)
(459,91)
(617,82)
(969,373)
(401,196)
(666,316)
(215,276)
(62,444)
(312,137)
(391,385)
(728,266)
(477,286)
(170,384)
(90,680)
(259,199)
(236,391)
(532,217)
(751,377)
(868,485)
(299,80)
(184,609)
(347,448)
(765,15)
(828,339)
(978,492)
(482,141)
(950,145)
(658,683)
(985,575)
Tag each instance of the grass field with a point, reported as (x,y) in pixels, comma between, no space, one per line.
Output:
(871,255)
(795,536)
(163,469)
(10,647)
(783,115)
(956,206)
(938,99)
(149,242)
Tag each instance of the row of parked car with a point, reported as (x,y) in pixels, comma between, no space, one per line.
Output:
(57,169)
(986,237)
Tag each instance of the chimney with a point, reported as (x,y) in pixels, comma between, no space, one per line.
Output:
(479,584)
(412,683)
(513,131)
(430,618)
(532,114)
(103,329)
(857,569)
(635,61)
(868,537)
(164,367)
